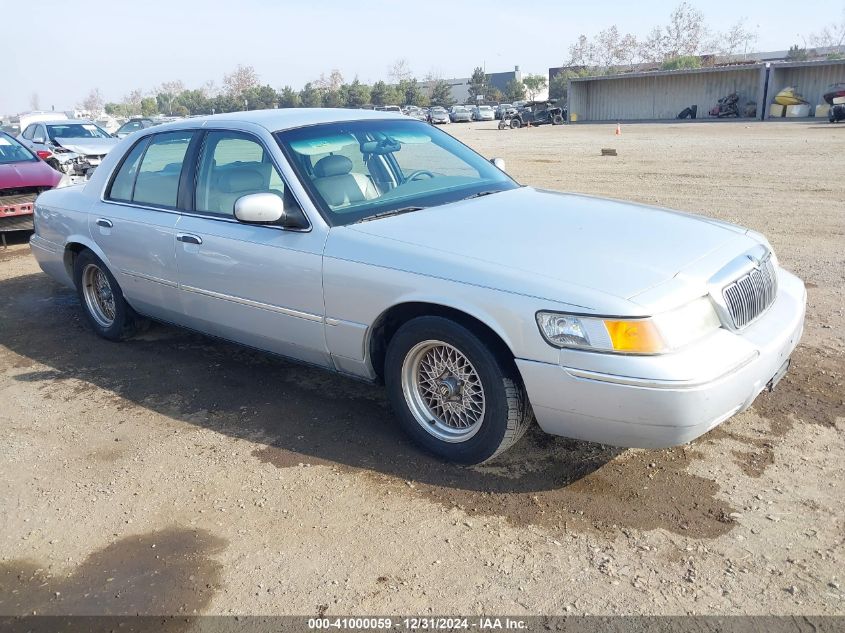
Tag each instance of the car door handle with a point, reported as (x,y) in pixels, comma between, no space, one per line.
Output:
(187,238)
(106,224)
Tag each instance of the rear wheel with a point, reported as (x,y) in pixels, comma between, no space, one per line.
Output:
(557,120)
(102,300)
(452,394)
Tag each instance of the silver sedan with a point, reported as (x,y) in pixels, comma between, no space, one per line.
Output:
(380,247)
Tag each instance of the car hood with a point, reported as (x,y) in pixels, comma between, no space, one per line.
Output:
(547,244)
(87,146)
(28,174)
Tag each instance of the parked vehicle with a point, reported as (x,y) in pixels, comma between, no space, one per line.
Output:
(75,146)
(501,109)
(438,115)
(460,114)
(133,125)
(533,113)
(834,95)
(380,247)
(483,113)
(22,177)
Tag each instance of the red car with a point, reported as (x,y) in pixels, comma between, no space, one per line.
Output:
(23,175)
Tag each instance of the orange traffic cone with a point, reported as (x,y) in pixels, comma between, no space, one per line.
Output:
(618,130)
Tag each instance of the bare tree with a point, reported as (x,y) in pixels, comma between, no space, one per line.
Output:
(831,35)
(240,80)
(685,32)
(34,101)
(400,71)
(736,40)
(653,48)
(93,103)
(210,89)
(332,83)
(132,101)
(582,53)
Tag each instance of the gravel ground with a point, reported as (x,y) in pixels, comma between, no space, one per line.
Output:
(176,474)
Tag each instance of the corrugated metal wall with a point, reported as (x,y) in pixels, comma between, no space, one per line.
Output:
(810,80)
(662,95)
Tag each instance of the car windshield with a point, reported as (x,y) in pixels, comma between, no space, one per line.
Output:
(76,130)
(11,151)
(360,170)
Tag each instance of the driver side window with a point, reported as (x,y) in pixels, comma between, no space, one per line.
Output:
(233,164)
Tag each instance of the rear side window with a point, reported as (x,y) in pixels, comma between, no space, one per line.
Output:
(157,181)
(124,181)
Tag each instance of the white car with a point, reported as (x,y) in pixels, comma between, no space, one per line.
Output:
(380,247)
(483,113)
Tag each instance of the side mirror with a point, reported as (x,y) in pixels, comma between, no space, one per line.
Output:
(260,208)
(499,163)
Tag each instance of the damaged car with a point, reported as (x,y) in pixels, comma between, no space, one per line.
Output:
(73,147)
(22,177)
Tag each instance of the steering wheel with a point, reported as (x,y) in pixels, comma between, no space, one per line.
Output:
(419,172)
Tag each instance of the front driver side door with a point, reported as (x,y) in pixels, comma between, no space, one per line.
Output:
(254,284)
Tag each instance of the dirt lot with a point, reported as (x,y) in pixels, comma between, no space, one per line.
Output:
(176,474)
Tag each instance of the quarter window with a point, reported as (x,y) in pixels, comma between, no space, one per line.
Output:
(157,182)
(233,164)
(124,181)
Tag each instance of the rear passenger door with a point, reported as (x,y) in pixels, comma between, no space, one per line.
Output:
(255,284)
(135,224)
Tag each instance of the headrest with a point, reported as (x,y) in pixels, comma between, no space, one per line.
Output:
(236,180)
(334,165)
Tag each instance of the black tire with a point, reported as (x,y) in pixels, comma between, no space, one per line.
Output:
(507,412)
(502,124)
(516,124)
(557,120)
(125,320)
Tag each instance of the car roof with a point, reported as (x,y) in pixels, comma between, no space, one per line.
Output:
(66,122)
(285,118)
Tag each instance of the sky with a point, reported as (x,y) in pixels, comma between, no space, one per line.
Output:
(117,46)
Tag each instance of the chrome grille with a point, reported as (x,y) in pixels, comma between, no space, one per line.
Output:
(751,295)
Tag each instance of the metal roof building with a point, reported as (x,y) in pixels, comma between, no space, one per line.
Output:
(661,95)
(808,78)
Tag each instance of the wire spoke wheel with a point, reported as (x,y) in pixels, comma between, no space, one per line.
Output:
(99,297)
(443,391)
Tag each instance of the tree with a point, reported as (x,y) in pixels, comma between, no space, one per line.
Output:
(441,94)
(831,35)
(288,98)
(410,93)
(736,40)
(559,86)
(478,84)
(514,91)
(682,62)
(34,101)
(797,53)
(332,83)
(685,32)
(132,102)
(534,85)
(358,94)
(148,106)
(400,71)
(310,97)
(652,48)
(260,98)
(240,80)
(166,95)
(194,101)
(93,103)
(384,94)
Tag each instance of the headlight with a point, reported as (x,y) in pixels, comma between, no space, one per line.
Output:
(659,334)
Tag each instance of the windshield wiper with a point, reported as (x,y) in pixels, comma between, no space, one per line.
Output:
(481,193)
(387,214)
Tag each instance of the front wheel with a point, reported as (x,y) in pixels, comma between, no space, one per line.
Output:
(452,394)
(516,124)
(102,300)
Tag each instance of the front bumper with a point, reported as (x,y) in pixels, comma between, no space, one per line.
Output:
(16,212)
(660,401)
